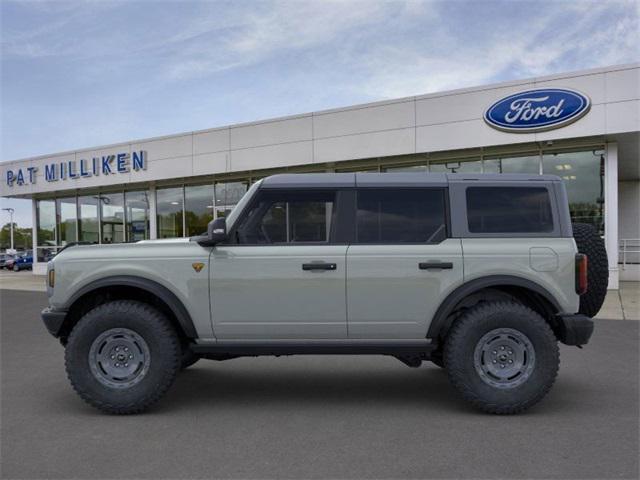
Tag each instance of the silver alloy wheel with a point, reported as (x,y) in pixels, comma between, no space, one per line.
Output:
(119,358)
(504,358)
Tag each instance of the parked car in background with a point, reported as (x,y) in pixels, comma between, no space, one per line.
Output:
(4,259)
(23,261)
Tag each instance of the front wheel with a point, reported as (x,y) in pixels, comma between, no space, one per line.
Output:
(502,356)
(122,356)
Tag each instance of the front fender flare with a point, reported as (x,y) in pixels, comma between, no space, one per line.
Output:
(163,293)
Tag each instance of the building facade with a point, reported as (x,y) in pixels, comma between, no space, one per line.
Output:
(582,126)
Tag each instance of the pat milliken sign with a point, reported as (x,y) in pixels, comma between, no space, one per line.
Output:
(537,110)
(104,165)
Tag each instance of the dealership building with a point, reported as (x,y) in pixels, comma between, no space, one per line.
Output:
(582,126)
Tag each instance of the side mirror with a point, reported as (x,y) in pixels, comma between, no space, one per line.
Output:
(217,231)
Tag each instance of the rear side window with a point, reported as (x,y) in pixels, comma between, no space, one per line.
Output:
(401,216)
(509,210)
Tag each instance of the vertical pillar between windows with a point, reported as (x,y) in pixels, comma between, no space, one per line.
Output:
(34,235)
(611,212)
(153,218)
(540,164)
(184,211)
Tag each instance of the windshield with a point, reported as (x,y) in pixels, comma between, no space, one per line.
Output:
(233,215)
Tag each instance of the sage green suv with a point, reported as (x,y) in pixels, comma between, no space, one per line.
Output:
(480,274)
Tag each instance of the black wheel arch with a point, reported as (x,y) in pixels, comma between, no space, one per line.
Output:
(162,297)
(522,289)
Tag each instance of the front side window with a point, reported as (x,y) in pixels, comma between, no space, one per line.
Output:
(509,210)
(401,216)
(288,217)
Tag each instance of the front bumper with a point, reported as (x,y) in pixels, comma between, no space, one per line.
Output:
(574,329)
(53,319)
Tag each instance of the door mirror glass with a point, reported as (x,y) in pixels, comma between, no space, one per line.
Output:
(217,230)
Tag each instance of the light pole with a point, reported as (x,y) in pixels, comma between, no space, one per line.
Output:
(10,210)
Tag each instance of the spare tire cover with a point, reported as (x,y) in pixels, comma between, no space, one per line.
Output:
(589,242)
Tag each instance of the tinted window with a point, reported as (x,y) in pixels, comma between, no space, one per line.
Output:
(509,210)
(401,216)
(288,217)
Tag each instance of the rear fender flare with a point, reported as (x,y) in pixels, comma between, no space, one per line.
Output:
(442,321)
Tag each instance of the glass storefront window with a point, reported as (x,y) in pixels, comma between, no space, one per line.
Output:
(88,220)
(407,168)
(198,208)
(525,164)
(112,217)
(227,195)
(457,166)
(136,216)
(169,205)
(583,176)
(67,220)
(363,169)
(46,218)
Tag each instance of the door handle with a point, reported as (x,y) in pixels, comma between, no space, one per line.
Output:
(319,266)
(435,265)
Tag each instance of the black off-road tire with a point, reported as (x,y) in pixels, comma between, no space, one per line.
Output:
(162,345)
(468,332)
(589,242)
(188,357)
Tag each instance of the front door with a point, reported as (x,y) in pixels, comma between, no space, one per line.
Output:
(282,276)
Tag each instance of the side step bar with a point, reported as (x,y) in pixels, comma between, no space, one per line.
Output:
(253,348)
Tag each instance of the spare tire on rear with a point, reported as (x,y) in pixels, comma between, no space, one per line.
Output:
(591,244)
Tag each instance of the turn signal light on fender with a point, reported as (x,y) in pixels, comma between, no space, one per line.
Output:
(52,278)
(582,282)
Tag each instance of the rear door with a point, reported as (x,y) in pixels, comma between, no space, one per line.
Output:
(284,275)
(401,263)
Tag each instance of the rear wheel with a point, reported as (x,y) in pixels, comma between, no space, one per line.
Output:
(502,357)
(122,356)
(16,268)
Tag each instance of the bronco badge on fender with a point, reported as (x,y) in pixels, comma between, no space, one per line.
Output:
(197,266)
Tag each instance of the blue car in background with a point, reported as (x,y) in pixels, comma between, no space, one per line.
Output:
(23,261)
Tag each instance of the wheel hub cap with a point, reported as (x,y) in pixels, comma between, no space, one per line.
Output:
(504,358)
(119,358)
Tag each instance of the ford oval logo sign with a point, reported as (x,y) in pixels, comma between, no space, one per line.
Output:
(537,110)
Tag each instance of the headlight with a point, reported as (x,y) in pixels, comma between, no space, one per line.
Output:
(51,278)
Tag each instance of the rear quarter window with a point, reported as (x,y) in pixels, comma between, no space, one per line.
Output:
(509,210)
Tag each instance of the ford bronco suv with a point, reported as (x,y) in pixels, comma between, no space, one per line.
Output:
(482,275)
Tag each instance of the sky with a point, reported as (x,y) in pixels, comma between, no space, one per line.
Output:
(87,73)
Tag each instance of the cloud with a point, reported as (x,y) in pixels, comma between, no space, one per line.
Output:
(562,37)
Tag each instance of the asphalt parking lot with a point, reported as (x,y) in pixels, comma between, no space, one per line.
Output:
(316,417)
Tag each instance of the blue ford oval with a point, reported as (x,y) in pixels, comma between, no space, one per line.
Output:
(536,110)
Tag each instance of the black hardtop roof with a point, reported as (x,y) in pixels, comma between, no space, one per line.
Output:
(400,179)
